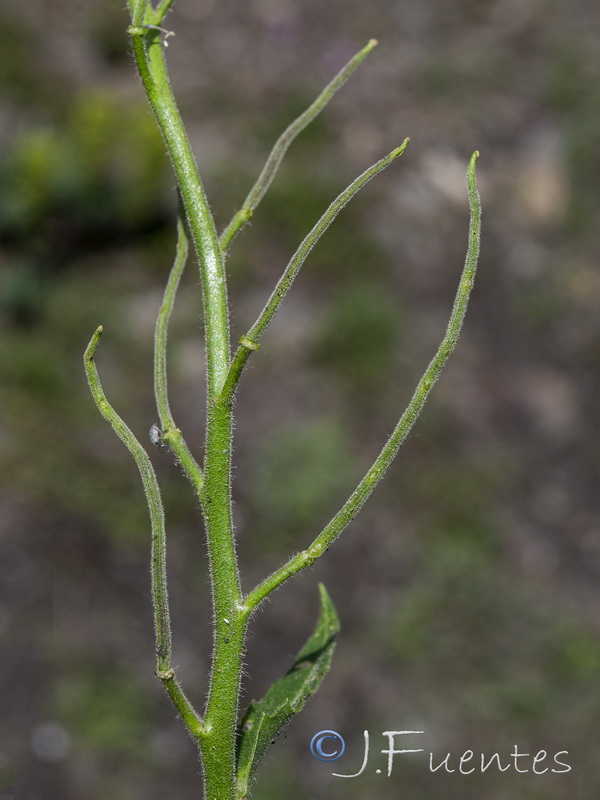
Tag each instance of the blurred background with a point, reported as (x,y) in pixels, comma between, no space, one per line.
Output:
(468,589)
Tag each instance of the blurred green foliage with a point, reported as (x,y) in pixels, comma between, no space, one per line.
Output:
(105,159)
(73,186)
(107,708)
(571,91)
(299,470)
(359,336)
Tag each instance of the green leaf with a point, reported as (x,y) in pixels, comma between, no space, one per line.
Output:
(265,718)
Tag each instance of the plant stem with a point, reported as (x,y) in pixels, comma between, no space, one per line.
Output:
(379,467)
(170,432)
(218,746)
(282,145)
(249,342)
(216,733)
(160,597)
(150,61)
(217,743)
(161,10)
(190,717)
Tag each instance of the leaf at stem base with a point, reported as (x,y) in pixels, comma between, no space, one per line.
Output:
(265,718)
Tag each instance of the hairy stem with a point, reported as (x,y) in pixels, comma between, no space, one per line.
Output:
(249,343)
(218,741)
(171,434)
(282,145)
(216,732)
(218,746)
(162,9)
(379,467)
(160,598)
(149,56)
(190,717)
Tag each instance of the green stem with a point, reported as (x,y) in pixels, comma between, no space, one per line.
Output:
(215,734)
(187,712)
(170,432)
(218,746)
(160,598)
(161,10)
(282,144)
(249,342)
(157,518)
(218,740)
(148,52)
(356,500)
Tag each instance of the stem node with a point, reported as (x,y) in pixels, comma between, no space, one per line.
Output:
(246,342)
